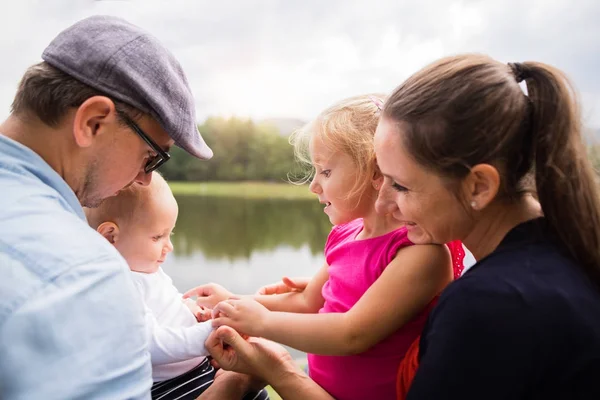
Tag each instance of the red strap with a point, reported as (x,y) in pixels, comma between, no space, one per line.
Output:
(410,362)
(407,370)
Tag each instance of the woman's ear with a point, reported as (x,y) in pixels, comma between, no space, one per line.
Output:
(110,231)
(481,186)
(377,180)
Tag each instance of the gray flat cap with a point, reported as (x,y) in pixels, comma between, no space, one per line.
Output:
(127,63)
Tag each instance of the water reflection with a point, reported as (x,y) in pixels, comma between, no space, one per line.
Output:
(245,243)
(234,228)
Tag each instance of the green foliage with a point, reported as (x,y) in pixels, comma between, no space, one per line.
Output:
(594,155)
(243,150)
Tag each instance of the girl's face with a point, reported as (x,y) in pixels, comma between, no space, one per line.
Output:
(414,195)
(335,177)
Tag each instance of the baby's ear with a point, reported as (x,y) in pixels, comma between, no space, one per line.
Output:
(110,231)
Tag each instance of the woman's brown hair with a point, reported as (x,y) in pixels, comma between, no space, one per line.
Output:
(469,109)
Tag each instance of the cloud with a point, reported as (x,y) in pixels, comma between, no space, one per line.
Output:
(291,59)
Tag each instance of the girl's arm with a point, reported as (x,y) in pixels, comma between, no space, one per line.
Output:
(309,300)
(415,276)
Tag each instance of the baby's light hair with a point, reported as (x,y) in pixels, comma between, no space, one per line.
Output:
(348,126)
(128,205)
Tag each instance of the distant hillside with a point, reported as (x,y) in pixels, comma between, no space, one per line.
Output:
(285,126)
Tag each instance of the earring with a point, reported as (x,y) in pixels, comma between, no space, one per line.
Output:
(474,205)
(376,187)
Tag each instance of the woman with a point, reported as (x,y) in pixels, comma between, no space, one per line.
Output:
(467,155)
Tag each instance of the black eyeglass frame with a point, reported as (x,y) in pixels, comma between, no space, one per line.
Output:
(161,155)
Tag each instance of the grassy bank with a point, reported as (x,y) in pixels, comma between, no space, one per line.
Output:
(273,394)
(257,190)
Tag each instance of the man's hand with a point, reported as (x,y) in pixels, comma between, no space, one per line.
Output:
(265,360)
(256,356)
(229,385)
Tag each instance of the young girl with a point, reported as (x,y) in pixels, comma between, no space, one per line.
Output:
(364,308)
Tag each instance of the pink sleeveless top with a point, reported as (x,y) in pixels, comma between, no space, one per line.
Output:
(354,265)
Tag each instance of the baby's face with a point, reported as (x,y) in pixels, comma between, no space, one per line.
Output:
(145,241)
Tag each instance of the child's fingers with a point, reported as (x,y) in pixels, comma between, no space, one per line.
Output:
(289,282)
(268,289)
(204,314)
(201,291)
(225,308)
(277,288)
(297,284)
(217,322)
(193,292)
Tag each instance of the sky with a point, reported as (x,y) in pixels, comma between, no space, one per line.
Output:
(291,59)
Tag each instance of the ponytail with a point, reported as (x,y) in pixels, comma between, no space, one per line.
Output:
(566,182)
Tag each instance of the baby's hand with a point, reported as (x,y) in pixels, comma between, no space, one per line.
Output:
(246,316)
(208,295)
(201,313)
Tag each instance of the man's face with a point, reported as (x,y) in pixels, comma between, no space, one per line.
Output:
(119,159)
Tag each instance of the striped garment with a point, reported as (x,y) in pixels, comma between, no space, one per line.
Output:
(190,385)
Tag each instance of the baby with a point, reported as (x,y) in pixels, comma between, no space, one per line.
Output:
(139,222)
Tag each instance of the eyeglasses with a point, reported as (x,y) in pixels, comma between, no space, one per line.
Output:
(161,156)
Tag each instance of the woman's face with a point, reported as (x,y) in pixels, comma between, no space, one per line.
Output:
(415,195)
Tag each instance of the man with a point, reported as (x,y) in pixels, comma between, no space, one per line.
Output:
(98,114)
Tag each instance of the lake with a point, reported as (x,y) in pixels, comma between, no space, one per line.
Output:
(245,243)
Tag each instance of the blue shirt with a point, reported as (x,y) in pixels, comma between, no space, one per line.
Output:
(523,323)
(70,323)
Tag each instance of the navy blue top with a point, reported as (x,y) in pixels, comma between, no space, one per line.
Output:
(523,323)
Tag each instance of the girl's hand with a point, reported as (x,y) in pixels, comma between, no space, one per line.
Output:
(208,295)
(285,286)
(244,315)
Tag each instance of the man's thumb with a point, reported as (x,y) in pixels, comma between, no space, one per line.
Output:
(228,335)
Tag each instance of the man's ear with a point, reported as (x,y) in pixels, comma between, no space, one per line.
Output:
(481,186)
(93,117)
(110,231)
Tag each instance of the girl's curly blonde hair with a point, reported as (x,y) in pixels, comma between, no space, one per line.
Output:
(347,126)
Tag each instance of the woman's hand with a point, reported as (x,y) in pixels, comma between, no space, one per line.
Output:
(246,316)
